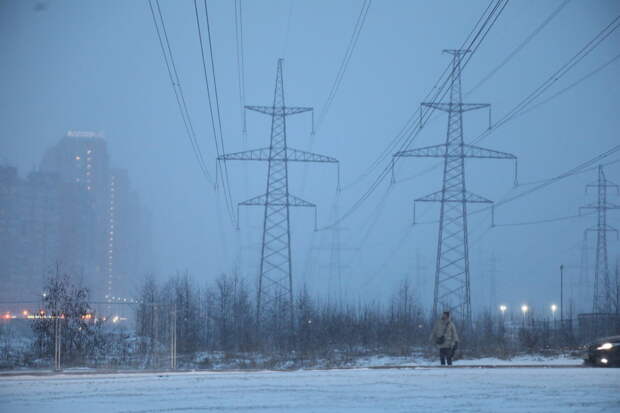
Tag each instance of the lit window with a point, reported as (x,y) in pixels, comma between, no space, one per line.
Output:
(88,187)
(89,151)
(77,158)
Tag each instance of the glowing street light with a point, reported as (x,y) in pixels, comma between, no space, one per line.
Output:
(554,308)
(524,310)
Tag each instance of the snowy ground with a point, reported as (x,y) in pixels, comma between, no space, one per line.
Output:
(565,389)
(421,361)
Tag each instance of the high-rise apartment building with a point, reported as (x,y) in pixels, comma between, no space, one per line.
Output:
(77,212)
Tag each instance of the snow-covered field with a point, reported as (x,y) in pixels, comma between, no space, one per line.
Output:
(571,389)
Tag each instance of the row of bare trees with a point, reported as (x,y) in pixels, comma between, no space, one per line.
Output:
(181,318)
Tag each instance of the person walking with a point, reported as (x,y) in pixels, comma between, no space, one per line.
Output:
(444,336)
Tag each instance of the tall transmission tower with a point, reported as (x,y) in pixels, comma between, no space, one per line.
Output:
(275,281)
(336,267)
(452,278)
(604,300)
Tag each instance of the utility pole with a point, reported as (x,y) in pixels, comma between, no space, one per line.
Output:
(602,301)
(57,340)
(493,283)
(275,280)
(617,290)
(452,277)
(173,337)
(562,295)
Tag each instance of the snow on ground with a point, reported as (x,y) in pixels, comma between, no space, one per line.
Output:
(572,389)
(373,361)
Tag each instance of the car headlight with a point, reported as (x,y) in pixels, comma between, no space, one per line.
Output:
(605,346)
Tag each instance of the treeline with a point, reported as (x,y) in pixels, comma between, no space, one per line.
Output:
(222,317)
(200,320)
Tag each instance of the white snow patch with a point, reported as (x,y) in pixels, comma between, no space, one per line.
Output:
(534,390)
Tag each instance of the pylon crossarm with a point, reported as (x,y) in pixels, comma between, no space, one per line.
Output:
(472,151)
(606,228)
(298,202)
(296,155)
(469,198)
(293,201)
(256,201)
(261,154)
(435,151)
(278,110)
(606,205)
(455,107)
(434,197)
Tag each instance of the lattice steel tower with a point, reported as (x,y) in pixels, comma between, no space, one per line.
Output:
(452,279)
(275,281)
(604,300)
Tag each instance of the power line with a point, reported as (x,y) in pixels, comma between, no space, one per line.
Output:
(229,202)
(574,171)
(288,28)
(582,168)
(219,142)
(412,125)
(523,106)
(240,61)
(542,221)
(474,44)
(400,242)
(578,173)
(557,75)
(575,83)
(357,29)
(521,46)
(178,91)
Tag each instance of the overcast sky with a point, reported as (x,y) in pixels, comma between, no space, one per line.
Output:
(91,65)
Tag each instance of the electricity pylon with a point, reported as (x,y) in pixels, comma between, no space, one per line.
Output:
(603,301)
(452,279)
(275,281)
(335,266)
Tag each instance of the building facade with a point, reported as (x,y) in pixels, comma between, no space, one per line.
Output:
(75,212)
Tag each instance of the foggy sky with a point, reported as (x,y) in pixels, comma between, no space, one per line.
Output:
(90,65)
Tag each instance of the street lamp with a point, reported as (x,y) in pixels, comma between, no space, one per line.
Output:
(503,309)
(524,310)
(554,308)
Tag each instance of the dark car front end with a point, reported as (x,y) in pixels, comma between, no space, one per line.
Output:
(604,352)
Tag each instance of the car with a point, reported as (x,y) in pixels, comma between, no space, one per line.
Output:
(604,352)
